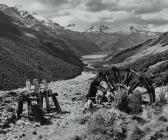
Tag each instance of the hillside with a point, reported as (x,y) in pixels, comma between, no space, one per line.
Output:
(150,56)
(117,41)
(76,41)
(24,54)
(35,47)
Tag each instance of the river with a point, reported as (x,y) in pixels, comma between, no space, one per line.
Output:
(94,59)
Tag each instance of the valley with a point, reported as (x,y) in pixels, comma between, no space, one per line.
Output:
(92,60)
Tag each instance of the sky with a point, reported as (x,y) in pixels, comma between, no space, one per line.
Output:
(117,14)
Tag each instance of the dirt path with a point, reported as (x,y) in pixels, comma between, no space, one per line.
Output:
(64,126)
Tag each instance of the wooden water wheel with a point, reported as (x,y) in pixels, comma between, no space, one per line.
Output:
(129,80)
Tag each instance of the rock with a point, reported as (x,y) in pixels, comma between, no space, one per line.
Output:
(36,125)
(74,99)
(40,136)
(23,135)
(7,101)
(20,122)
(13,94)
(3,131)
(10,118)
(75,138)
(83,121)
(139,119)
(78,93)
(15,137)
(34,132)
(163,119)
(10,109)
(27,123)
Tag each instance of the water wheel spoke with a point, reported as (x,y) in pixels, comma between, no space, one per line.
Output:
(109,81)
(128,78)
(117,75)
(133,86)
(119,79)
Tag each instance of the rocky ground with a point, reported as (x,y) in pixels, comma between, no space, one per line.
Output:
(104,124)
(63,126)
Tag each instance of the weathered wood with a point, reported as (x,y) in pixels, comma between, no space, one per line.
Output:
(46,92)
(20,108)
(37,91)
(52,94)
(29,106)
(37,94)
(57,106)
(33,98)
(37,111)
(28,86)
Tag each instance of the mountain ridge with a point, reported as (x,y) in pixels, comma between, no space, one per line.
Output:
(27,53)
(120,40)
(149,57)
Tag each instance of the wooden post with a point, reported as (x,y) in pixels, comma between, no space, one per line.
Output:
(28,86)
(20,107)
(37,91)
(57,106)
(46,92)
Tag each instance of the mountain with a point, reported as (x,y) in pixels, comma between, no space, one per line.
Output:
(117,41)
(150,57)
(76,41)
(27,54)
(31,48)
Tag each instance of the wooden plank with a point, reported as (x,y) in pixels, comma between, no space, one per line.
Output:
(28,86)
(57,106)
(46,92)
(33,98)
(20,108)
(53,94)
(29,104)
(37,91)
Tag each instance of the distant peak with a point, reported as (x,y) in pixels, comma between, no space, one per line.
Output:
(133,29)
(3,7)
(97,28)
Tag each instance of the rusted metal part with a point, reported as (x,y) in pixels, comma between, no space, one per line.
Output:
(129,79)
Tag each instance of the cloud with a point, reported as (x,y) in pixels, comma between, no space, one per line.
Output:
(100,5)
(137,6)
(118,14)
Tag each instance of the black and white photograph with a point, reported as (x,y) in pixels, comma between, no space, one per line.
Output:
(83,69)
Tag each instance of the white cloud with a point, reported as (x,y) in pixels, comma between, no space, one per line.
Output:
(9,2)
(157,15)
(149,14)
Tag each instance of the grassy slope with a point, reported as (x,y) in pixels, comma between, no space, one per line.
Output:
(22,57)
(143,63)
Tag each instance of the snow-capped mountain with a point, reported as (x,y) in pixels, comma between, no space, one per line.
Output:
(115,41)
(27,18)
(36,18)
(97,29)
